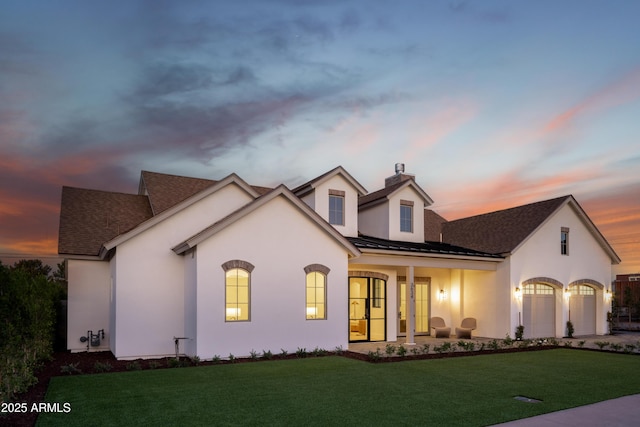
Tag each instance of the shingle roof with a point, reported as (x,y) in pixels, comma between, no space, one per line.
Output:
(166,190)
(432,225)
(88,218)
(379,194)
(367,242)
(308,186)
(502,231)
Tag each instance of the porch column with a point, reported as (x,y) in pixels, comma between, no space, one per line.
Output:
(410,308)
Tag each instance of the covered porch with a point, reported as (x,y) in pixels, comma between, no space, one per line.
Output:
(419,285)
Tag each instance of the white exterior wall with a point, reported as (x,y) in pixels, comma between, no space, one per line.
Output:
(190,303)
(279,241)
(417,235)
(540,256)
(310,200)
(150,299)
(88,302)
(375,221)
(487,301)
(321,205)
(112,305)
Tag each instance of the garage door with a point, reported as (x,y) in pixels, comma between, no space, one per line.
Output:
(538,310)
(582,308)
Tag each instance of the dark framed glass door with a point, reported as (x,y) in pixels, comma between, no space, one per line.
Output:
(367,309)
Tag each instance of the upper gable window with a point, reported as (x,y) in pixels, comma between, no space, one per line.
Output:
(336,207)
(406,216)
(564,241)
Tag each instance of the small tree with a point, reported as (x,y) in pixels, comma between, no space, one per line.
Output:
(570,329)
(519,332)
(27,317)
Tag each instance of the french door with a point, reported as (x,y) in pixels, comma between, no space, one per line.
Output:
(422,308)
(367,309)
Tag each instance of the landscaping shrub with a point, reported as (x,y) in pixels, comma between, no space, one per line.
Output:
(28,299)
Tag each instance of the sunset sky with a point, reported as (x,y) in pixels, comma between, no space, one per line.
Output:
(491,104)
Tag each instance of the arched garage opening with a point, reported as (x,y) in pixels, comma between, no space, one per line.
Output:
(539,301)
(582,306)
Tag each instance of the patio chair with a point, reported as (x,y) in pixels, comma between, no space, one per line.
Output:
(468,325)
(442,330)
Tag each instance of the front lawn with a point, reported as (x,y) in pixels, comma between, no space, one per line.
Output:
(465,391)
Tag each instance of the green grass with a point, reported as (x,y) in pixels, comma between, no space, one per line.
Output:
(465,391)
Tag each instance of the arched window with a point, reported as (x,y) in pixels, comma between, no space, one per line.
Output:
(582,290)
(316,291)
(237,295)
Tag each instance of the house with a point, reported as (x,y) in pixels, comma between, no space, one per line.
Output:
(211,268)
(626,295)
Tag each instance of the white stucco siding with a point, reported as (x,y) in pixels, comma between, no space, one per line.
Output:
(279,241)
(337,182)
(540,256)
(189,345)
(112,305)
(88,302)
(150,304)
(375,221)
(484,299)
(417,233)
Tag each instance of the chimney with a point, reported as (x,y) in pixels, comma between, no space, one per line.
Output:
(399,176)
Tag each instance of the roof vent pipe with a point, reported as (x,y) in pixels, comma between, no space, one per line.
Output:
(399,168)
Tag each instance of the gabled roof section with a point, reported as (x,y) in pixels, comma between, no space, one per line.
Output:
(432,226)
(309,186)
(604,244)
(280,191)
(373,243)
(88,218)
(502,232)
(231,179)
(381,196)
(166,190)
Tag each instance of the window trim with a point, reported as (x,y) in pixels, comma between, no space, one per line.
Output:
(407,204)
(248,268)
(564,241)
(324,272)
(338,195)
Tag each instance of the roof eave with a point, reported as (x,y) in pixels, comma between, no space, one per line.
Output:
(310,186)
(495,258)
(283,191)
(230,179)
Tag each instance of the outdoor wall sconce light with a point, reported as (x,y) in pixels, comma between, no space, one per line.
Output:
(567,293)
(518,293)
(607,294)
(442,295)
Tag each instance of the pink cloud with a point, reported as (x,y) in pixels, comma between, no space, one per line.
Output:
(509,190)
(433,129)
(621,91)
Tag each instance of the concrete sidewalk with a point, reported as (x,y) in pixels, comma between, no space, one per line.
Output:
(621,412)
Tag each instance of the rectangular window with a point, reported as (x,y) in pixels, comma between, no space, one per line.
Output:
(336,207)
(406,216)
(564,241)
